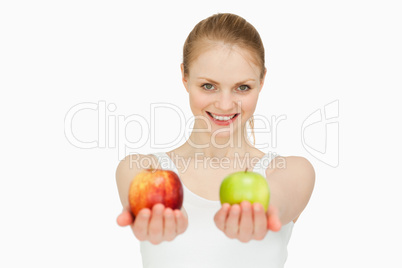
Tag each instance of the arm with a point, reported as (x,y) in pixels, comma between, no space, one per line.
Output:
(291,180)
(127,169)
(156,225)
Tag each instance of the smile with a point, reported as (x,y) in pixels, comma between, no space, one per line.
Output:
(222,119)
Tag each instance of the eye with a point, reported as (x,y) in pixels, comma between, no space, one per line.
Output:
(208,86)
(243,88)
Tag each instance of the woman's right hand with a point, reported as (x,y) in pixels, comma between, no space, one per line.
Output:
(156,225)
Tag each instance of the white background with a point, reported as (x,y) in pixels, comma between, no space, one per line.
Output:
(59,202)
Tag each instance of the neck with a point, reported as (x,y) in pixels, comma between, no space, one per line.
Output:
(214,146)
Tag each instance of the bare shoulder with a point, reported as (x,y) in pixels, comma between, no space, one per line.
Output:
(133,163)
(302,166)
(293,164)
(128,168)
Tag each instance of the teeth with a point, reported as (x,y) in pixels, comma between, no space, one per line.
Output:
(222,118)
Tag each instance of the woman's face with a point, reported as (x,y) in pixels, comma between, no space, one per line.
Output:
(223,86)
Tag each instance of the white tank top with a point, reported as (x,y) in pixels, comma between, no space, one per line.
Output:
(203,245)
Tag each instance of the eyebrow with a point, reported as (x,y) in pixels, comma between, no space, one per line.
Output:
(238,83)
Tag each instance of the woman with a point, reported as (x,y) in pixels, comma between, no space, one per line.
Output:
(223,71)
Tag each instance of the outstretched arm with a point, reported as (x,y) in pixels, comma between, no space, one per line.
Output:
(291,180)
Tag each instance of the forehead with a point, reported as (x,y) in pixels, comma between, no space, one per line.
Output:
(225,62)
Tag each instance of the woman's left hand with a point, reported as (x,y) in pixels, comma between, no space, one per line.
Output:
(247,221)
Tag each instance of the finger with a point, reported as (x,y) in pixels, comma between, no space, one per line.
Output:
(232,222)
(221,215)
(274,224)
(125,218)
(246,225)
(140,226)
(155,231)
(169,225)
(260,222)
(181,221)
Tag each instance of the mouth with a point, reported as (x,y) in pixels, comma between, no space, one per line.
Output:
(223,119)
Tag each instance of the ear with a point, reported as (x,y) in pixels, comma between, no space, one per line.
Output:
(183,77)
(263,79)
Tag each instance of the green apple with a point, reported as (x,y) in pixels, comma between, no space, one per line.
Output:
(245,185)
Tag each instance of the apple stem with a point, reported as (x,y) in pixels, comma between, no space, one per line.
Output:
(150,167)
(246,169)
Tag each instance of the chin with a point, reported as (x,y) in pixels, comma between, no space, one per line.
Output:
(225,132)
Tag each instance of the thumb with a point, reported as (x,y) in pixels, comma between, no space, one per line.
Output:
(273,223)
(125,218)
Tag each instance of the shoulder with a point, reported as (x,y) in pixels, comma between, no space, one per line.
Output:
(133,163)
(130,163)
(296,163)
(293,171)
(301,165)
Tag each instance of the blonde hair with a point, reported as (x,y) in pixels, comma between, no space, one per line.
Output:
(229,29)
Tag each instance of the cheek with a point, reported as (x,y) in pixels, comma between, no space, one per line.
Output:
(249,103)
(198,101)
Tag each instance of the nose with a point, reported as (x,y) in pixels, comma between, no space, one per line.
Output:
(225,101)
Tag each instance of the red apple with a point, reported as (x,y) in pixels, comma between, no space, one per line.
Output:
(152,186)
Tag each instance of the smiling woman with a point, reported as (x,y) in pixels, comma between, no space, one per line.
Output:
(223,97)
(223,73)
